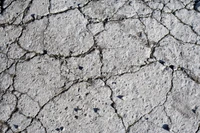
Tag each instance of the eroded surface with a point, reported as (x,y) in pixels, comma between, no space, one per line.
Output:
(105,66)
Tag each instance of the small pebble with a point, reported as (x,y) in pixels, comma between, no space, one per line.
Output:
(194,110)
(16,126)
(114,83)
(161,62)
(33,16)
(166,127)
(80,67)
(76,116)
(120,96)
(57,129)
(182,68)
(77,109)
(96,110)
(61,128)
(172,67)
(44,52)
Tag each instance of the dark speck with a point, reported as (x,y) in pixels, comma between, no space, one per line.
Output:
(139,34)
(114,83)
(61,128)
(96,110)
(57,129)
(120,96)
(76,116)
(182,68)
(86,94)
(105,21)
(44,52)
(16,126)
(77,109)
(33,16)
(80,67)
(166,127)
(161,62)
(172,67)
(146,118)
(195,109)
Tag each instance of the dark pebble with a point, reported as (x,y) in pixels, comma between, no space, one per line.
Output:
(166,127)
(120,96)
(16,126)
(161,62)
(194,110)
(57,129)
(182,68)
(61,128)
(44,52)
(80,67)
(76,109)
(105,21)
(33,16)
(172,67)
(114,83)
(96,109)
(76,116)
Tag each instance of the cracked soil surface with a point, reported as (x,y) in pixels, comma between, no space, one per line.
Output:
(100,66)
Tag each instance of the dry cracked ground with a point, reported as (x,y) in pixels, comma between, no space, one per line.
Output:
(100,66)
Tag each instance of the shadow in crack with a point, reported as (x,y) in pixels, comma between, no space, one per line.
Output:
(1,6)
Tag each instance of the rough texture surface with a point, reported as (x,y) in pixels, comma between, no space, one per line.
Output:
(100,66)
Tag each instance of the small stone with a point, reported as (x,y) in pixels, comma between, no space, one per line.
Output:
(76,116)
(61,128)
(33,16)
(166,127)
(105,21)
(80,67)
(96,110)
(172,67)
(16,126)
(44,52)
(161,62)
(120,96)
(77,109)
(114,83)
(182,68)
(57,129)
(195,109)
